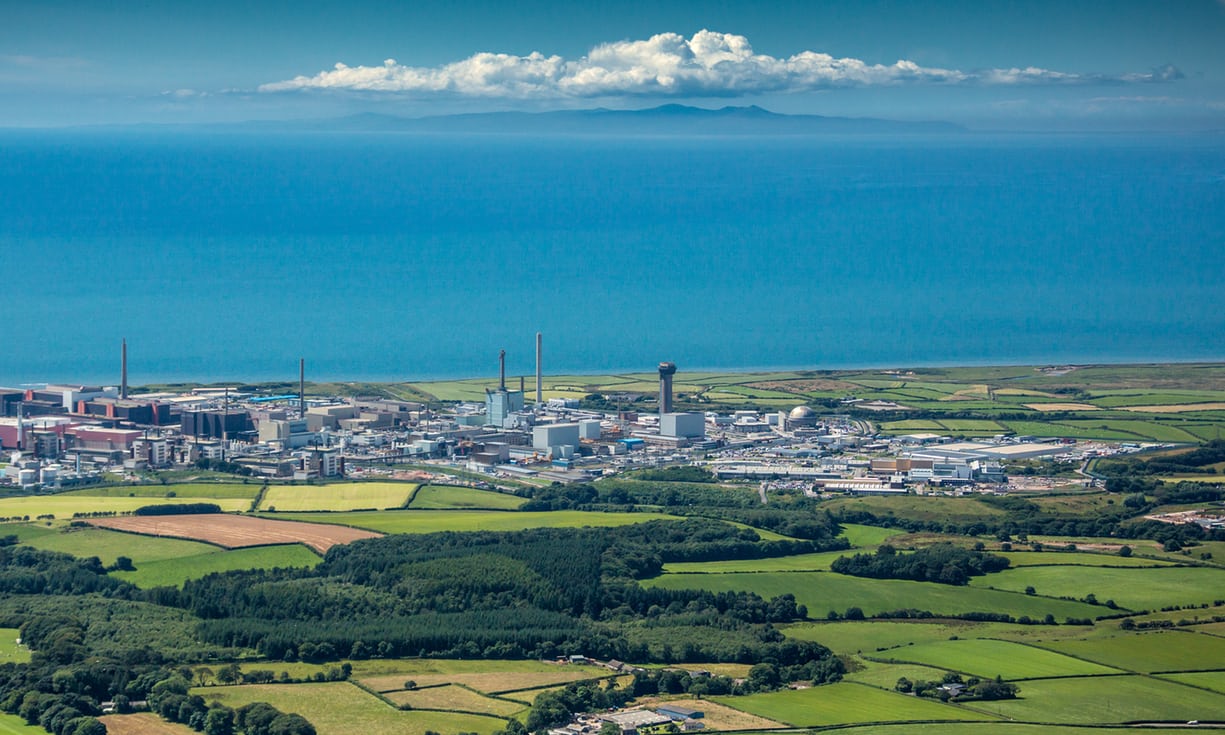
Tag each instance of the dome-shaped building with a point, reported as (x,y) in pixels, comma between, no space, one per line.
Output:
(801,416)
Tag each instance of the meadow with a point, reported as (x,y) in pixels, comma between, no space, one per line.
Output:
(987,659)
(1148,652)
(1109,700)
(10,651)
(65,506)
(173,572)
(844,703)
(343,496)
(14,725)
(186,490)
(454,497)
(454,698)
(1133,589)
(109,545)
(341,708)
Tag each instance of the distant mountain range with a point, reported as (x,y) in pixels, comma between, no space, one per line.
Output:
(665,120)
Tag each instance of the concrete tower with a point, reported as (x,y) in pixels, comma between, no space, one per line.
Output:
(539,369)
(123,380)
(302,387)
(666,371)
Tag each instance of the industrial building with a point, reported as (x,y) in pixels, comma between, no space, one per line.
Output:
(682,425)
(559,440)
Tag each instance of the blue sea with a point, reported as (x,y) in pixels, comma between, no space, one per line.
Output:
(227,256)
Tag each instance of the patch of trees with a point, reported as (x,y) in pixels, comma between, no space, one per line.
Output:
(677,474)
(952,687)
(944,563)
(175,509)
(26,570)
(1195,461)
(218,465)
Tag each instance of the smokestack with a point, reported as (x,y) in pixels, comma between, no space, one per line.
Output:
(302,387)
(539,369)
(666,371)
(502,370)
(123,380)
(522,382)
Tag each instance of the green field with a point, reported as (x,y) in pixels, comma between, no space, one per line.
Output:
(919,508)
(64,506)
(867,536)
(799,563)
(477,520)
(1171,650)
(1214,680)
(108,545)
(14,725)
(825,591)
(1001,728)
(451,697)
(1134,589)
(174,572)
(341,708)
(436,497)
(872,636)
(843,703)
(185,490)
(885,675)
(987,659)
(10,652)
(346,496)
(1076,558)
(1109,699)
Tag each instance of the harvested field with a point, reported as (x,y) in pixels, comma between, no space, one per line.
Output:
(451,698)
(492,682)
(142,723)
(720,716)
(1052,407)
(233,532)
(1175,408)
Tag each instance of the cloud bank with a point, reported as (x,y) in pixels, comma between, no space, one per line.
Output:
(710,64)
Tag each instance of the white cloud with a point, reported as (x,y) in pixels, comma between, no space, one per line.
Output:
(710,64)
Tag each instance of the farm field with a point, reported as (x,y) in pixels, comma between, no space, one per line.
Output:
(1109,699)
(450,697)
(409,521)
(65,506)
(1134,589)
(175,571)
(337,497)
(340,708)
(919,508)
(10,652)
(139,723)
(867,536)
(825,591)
(844,703)
(436,497)
(885,676)
(1214,680)
(1000,728)
(819,561)
(107,545)
(987,659)
(499,677)
(1076,558)
(1149,652)
(874,636)
(232,531)
(181,491)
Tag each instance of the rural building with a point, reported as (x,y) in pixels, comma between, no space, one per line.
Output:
(679,712)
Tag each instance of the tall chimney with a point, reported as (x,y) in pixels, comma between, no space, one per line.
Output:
(666,371)
(539,369)
(502,370)
(123,380)
(302,387)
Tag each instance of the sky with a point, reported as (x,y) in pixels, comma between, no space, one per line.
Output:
(987,64)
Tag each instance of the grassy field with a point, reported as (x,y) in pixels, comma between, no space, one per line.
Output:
(477,520)
(183,490)
(1173,650)
(108,545)
(919,508)
(999,728)
(338,497)
(1109,699)
(987,659)
(436,497)
(867,536)
(64,506)
(140,723)
(1134,589)
(885,676)
(10,652)
(175,571)
(340,708)
(456,699)
(825,591)
(1214,680)
(14,725)
(1077,558)
(845,703)
(799,563)
(871,636)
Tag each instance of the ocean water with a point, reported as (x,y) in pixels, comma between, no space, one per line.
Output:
(384,256)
